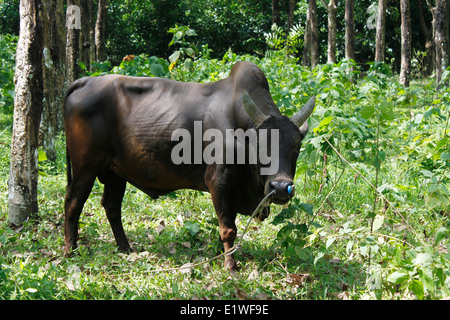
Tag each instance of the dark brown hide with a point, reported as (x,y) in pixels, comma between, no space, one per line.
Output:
(119,129)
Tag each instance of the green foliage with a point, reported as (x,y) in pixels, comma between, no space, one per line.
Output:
(288,45)
(7,62)
(338,232)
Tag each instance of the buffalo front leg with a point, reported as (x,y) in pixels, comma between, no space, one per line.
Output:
(226,214)
(113,193)
(228,232)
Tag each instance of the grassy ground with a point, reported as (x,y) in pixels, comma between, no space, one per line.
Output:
(165,233)
(337,239)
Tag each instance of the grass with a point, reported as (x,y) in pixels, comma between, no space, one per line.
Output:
(332,241)
(33,266)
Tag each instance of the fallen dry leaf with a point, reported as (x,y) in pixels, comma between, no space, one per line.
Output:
(240,294)
(186,268)
(161,227)
(297,279)
(253,275)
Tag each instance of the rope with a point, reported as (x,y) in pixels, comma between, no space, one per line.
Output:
(231,250)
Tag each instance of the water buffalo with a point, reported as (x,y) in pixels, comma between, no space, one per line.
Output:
(123,129)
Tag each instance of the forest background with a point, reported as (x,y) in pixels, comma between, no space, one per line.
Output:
(371,220)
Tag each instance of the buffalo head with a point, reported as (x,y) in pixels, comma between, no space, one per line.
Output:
(284,137)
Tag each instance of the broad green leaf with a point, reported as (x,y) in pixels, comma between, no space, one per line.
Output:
(157,70)
(192,227)
(42,155)
(367,111)
(398,256)
(398,277)
(441,233)
(307,207)
(349,246)
(427,279)
(377,223)
(318,256)
(325,121)
(174,56)
(445,156)
(329,242)
(423,259)
(387,112)
(416,287)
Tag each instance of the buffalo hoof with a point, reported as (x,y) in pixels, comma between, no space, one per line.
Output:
(231,265)
(127,250)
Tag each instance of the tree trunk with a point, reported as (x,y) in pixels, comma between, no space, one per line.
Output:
(73,25)
(440,36)
(275,11)
(86,33)
(307,41)
(314,33)
(100,27)
(349,30)
(405,69)
(23,174)
(54,37)
(380,33)
(292,4)
(332,30)
(428,63)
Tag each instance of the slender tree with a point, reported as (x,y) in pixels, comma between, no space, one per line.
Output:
(332,29)
(405,68)
(311,37)
(275,12)
(314,33)
(73,25)
(100,28)
(307,41)
(291,14)
(380,31)
(440,14)
(54,37)
(349,30)
(427,33)
(86,41)
(28,80)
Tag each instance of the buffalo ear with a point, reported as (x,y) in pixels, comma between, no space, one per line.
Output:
(303,114)
(253,111)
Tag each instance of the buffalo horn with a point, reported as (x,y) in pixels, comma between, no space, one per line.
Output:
(252,109)
(303,114)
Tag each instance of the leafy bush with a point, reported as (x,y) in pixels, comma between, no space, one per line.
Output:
(7,65)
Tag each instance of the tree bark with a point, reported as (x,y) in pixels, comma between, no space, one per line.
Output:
(73,27)
(405,69)
(314,33)
(332,30)
(428,63)
(275,12)
(349,30)
(380,31)
(54,36)
(307,41)
(100,27)
(292,4)
(86,33)
(440,36)
(28,80)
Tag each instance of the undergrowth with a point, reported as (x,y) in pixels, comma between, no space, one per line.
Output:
(370,219)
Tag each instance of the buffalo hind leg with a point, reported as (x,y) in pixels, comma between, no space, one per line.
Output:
(76,197)
(113,193)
